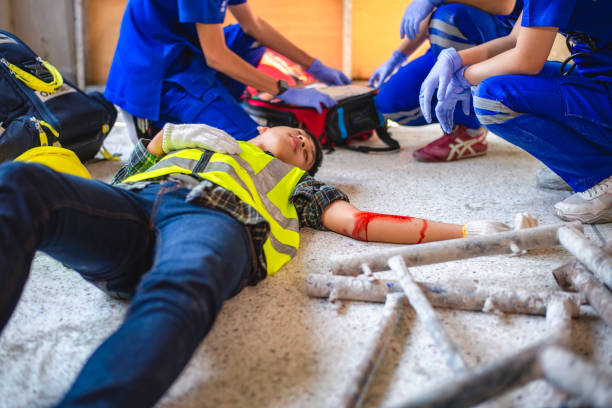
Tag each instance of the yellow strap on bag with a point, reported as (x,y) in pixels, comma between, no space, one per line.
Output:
(35,83)
(56,158)
(41,133)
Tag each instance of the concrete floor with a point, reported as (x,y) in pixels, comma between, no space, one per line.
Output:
(272,346)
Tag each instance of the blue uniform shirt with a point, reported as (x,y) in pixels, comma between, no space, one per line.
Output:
(513,16)
(158,42)
(590,17)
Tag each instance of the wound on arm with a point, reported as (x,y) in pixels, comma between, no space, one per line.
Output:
(363,218)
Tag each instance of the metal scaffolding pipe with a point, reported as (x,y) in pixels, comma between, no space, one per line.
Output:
(427,315)
(357,388)
(576,376)
(497,378)
(544,236)
(461,297)
(581,279)
(587,252)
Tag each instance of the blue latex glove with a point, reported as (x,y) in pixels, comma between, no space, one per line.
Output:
(326,74)
(439,77)
(458,90)
(384,71)
(307,97)
(416,11)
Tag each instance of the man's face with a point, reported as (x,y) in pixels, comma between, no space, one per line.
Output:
(291,145)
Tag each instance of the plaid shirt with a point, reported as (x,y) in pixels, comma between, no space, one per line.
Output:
(309,196)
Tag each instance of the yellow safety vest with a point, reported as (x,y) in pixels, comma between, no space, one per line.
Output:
(258,179)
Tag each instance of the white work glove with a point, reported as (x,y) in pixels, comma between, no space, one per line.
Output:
(524,220)
(185,136)
(482,227)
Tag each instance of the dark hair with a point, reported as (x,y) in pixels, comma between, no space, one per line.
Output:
(318,153)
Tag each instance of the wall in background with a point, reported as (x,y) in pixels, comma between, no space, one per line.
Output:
(49,31)
(375,33)
(315,25)
(5,16)
(104,21)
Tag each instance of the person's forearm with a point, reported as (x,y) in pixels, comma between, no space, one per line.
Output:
(268,35)
(409,46)
(526,57)
(486,50)
(345,219)
(235,67)
(155,145)
(491,48)
(224,60)
(506,63)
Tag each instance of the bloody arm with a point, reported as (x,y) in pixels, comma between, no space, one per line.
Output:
(345,219)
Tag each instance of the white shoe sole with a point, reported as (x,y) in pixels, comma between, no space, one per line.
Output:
(602,218)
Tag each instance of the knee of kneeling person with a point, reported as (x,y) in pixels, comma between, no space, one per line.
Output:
(454,14)
(385,100)
(488,89)
(490,100)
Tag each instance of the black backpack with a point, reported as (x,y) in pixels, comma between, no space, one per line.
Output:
(38,107)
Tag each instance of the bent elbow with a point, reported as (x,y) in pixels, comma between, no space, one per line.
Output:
(528,63)
(214,60)
(532,67)
(248,29)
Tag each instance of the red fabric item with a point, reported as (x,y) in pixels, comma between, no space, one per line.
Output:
(312,120)
(281,67)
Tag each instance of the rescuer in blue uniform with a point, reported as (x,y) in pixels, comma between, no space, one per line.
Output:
(175,62)
(561,113)
(454,25)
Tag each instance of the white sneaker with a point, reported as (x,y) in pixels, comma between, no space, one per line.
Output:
(593,206)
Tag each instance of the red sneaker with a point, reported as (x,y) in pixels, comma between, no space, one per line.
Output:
(454,146)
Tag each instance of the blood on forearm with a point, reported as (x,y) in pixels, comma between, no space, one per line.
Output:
(388,228)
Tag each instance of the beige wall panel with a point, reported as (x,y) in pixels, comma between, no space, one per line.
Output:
(104,23)
(316,26)
(376,26)
(49,32)
(559,51)
(5,15)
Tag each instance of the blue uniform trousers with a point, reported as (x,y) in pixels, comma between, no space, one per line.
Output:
(219,106)
(178,261)
(566,122)
(452,25)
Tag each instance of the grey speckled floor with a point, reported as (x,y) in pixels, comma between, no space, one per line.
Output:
(272,346)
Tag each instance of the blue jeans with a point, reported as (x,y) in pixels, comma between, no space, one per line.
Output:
(452,25)
(219,106)
(177,261)
(566,122)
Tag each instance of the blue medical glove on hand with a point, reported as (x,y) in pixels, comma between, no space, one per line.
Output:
(414,14)
(439,78)
(456,92)
(326,74)
(307,97)
(384,71)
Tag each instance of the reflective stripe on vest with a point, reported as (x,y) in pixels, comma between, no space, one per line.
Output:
(256,178)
